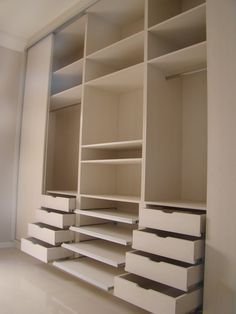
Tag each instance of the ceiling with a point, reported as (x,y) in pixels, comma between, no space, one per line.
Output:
(24,18)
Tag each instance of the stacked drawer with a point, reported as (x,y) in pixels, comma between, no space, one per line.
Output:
(167,264)
(51,229)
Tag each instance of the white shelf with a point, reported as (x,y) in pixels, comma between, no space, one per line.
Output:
(110,214)
(100,250)
(184,29)
(71,70)
(180,204)
(116,145)
(124,80)
(93,272)
(120,161)
(57,192)
(118,198)
(184,60)
(122,53)
(66,98)
(109,232)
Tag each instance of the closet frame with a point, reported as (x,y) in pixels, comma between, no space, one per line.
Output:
(139,166)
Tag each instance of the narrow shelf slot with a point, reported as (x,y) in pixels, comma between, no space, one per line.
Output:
(93,272)
(122,161)
(100,250)
(116,145)
(122,81)
(108,232)
(66,98)
(182,61)
(110,214)
(119,198)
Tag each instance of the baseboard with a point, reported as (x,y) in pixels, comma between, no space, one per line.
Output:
(4,245)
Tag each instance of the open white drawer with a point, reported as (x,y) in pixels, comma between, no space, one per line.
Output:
(155,297)
(65,203)
(185,222)
(43,251)
(184,248)
(173,273)
(49,234)
(55,219)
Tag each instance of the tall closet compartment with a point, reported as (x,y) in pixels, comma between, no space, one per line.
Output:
(60,185)
(123,202)
(166,266)
(111,142)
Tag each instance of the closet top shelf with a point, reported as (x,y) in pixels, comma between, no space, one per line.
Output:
(191,20)
(184,29)
(120,15)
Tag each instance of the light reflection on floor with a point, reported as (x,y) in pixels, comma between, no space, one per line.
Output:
(28,286)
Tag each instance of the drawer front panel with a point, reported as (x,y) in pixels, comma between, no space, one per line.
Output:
(43,252)
(175,275)
(173,221)
(189,251)
(156,300)
(65,204)
(48,235)
(55,219)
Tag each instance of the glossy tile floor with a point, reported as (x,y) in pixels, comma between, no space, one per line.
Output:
(28,286)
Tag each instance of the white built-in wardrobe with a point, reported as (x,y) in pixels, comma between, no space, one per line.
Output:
(113,172)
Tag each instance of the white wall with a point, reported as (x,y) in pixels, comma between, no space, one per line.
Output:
(10,78)
(220,275)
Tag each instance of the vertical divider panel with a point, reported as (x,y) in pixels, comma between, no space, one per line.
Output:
(144,101)
(78,200)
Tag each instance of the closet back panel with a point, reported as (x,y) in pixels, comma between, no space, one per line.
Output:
(112,113)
